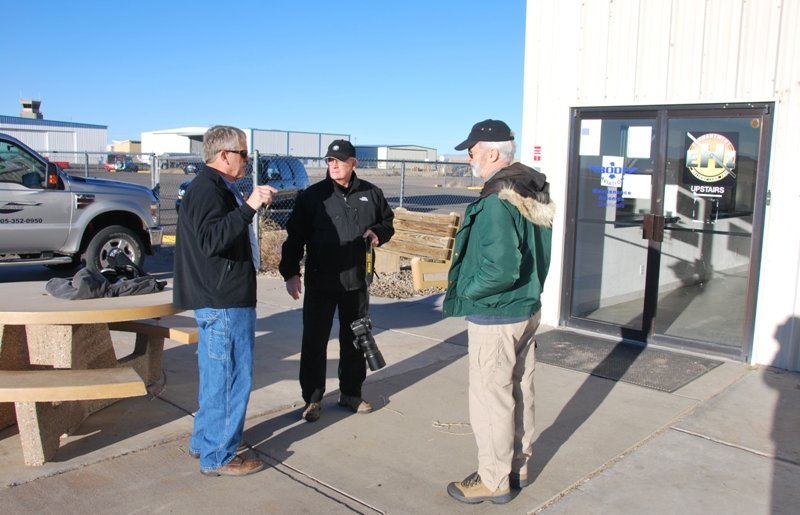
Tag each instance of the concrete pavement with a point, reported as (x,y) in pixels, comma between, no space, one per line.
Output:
(725,443)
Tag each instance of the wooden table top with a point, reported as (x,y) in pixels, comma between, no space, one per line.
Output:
(29,303)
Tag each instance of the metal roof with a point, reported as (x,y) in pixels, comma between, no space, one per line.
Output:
(16,120)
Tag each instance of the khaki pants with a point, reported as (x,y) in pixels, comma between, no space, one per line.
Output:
(501,406)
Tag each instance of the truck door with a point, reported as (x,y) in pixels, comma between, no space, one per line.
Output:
(32,219)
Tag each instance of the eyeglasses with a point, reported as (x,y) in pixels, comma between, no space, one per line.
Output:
(471,154)
(242,153)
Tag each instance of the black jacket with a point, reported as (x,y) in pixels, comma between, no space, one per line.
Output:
(213,258)
(328,224)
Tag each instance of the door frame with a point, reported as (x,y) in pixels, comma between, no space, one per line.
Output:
(662,114)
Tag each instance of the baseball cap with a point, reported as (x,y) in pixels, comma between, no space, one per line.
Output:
(341,150)
(487,130)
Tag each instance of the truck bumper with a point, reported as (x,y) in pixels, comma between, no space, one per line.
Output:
(156,235)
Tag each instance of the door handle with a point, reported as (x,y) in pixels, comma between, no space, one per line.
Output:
(653,228)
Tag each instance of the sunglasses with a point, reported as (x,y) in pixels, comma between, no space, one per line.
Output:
(242,153)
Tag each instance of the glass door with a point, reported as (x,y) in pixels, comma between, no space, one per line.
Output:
(616,160)
(666,214)
(711,211)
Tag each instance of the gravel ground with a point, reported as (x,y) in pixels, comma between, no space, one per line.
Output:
(390,286)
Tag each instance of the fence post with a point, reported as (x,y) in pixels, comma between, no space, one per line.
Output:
(86,164)
(402,181)
(155,171)
(257,226)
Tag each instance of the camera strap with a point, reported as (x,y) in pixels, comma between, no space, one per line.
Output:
(370,263)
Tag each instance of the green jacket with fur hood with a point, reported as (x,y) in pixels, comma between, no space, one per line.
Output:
(502,251)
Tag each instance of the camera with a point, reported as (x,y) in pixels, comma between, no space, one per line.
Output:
(362,328)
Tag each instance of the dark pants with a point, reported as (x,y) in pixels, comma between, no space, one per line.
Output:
(318,309)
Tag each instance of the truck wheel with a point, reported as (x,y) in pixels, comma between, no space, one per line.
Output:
(115,236)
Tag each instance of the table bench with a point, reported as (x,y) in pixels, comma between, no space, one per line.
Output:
(425,238)
(40,333)
(181,329)
(37,394)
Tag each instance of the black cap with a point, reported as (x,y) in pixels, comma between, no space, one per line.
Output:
(341,150)
(487,130)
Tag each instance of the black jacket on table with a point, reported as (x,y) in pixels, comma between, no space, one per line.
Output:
(213,257)
(328,224)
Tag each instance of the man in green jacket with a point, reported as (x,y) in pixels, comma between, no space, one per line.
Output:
(500,262)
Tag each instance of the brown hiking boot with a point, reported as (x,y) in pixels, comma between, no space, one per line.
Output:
(311,413)
(356,404)
(473,491)
(238,466)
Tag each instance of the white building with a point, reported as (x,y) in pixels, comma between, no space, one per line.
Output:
(189,140)
(395,152)
(667,131)
(50,137)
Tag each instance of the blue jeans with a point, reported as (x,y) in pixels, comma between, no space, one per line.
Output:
(225,360)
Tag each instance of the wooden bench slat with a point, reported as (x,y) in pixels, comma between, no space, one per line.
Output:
(426,240)
(69,385)
(435,218)
(423,228)
(178,328)
(411,250)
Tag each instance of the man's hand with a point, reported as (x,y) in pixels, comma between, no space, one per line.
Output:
(262,195)
(295,287)
(372,237)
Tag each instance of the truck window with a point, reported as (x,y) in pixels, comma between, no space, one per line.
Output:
(19,167)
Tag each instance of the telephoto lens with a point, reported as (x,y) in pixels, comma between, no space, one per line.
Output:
(362,329)
(371,352)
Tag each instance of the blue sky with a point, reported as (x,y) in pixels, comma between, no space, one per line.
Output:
(402,72)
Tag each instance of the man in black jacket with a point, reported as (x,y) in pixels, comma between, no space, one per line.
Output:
(216,260)
(330,222)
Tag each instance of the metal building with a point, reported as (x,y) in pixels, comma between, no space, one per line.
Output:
(50,136)
(396,152)
(668,132)
(190,140)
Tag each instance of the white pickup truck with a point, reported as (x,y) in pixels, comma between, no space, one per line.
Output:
(50,218)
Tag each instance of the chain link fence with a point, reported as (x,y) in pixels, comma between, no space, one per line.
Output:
(425,186)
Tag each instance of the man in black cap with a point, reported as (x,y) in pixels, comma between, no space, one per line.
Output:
(330,222)
(500,262)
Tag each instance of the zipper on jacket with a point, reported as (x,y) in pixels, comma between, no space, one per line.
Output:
(228,267)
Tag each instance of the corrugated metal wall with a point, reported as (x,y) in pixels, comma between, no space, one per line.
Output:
(270,142)
(47,135)
(303,144)
(640,52)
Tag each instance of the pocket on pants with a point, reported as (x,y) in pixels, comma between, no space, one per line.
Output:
(213,323)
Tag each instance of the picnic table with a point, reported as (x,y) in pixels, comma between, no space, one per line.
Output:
(58,364)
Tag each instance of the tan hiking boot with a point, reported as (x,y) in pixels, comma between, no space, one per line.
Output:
(473,491)
(517,480)
(311,412)
(356,404)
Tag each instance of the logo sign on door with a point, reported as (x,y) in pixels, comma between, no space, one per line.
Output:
(710,158)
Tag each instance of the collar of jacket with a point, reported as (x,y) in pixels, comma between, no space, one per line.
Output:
(354,182)
(522,179)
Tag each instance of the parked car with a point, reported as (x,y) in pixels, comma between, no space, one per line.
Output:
(286,174)
(50,218)
(125,164)
(189,163)
(111,162)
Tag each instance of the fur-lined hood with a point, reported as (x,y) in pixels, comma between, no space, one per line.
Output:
(535,211)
